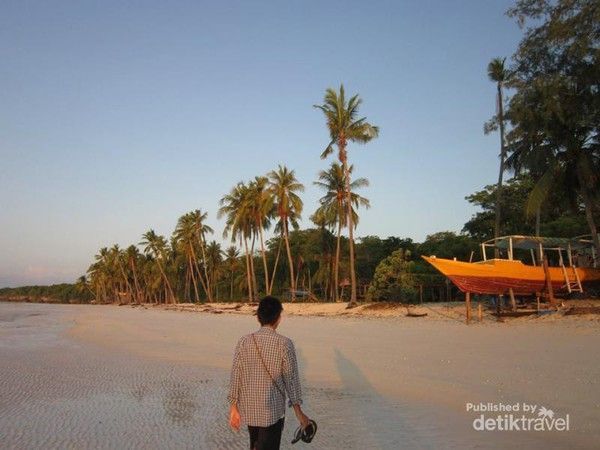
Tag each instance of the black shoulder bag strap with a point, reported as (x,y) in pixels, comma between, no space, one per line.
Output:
(265,366)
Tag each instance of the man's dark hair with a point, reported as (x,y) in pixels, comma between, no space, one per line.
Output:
(269,310)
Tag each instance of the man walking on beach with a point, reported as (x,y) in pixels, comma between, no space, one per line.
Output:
(264,369)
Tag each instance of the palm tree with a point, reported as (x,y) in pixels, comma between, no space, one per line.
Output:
(261,206)
(82,286)
(556,147)
(344,126)
(156,246)
(284,186)
(117,258)
(132,255)
(231,263)
(214,260)
(333,205)
(102,276)
(200,230)
(536,158)
(498,73)
(238,224)
(185,239)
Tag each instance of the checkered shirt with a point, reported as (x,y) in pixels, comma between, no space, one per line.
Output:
(252,389)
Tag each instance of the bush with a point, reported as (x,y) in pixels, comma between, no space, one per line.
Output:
(394,279)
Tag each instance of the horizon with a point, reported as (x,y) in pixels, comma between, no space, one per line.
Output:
(119,119)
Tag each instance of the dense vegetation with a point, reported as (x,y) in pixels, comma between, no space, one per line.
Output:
(548,119)
(56,293)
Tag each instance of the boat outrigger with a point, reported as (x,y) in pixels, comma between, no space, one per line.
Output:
(576,267)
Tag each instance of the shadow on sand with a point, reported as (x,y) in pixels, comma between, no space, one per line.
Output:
(377,421)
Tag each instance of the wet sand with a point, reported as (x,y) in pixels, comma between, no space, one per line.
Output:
(79,376)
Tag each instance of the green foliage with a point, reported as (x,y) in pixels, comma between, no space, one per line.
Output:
(556,214)
(447,244)
(56,293)
(394,280)
(370,250)
(555,108)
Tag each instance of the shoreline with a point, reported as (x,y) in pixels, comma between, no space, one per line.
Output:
(572,311)
(578,311)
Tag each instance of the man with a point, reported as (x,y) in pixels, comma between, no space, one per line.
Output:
(264,369)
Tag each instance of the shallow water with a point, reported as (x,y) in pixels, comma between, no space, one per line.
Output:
(60,392)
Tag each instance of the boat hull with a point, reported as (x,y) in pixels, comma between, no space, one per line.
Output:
(497,277)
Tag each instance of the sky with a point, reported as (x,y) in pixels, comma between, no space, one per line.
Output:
(118,117)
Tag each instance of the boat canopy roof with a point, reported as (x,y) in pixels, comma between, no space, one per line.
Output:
(533,242)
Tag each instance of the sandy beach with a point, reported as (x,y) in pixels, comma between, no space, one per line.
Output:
(83,376)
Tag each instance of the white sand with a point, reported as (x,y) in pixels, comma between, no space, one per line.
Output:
(158,378)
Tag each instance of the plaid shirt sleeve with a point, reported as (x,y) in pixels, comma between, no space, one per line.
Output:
(235,378)
(290,374)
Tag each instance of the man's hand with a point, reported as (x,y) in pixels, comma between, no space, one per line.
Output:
(302,418)
(234,418)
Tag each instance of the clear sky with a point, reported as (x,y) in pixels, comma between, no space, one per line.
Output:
(118,117)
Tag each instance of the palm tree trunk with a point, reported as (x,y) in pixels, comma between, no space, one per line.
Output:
(135,282)
(248,275)
(254,284)
(186,285)
(349,220)
(264,257)
(275,265)
(127,285)
(167,283)
(290,262)
(336,273)
(231,287)
(501,172)
(198,271)
(208,290)
(589,214)
(191,265)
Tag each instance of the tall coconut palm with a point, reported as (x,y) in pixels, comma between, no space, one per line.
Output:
(231,263)
(345,126)
(82,286)
(103,277)
(261,206)
(536,158)
(156,246)
(239,224)
(132,255)
(186,237)
(333,205)
(284,187)
(498,73)
(118,259)
(214,261)
(201,229)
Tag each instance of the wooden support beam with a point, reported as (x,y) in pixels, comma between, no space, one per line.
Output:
(549,289)
(513,302)
(468,305)
(479,312)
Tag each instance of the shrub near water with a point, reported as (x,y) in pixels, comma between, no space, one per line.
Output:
(394,279)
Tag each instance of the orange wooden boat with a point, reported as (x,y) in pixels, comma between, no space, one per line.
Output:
(498,276)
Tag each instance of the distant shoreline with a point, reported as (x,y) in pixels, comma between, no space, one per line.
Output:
(414,313)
